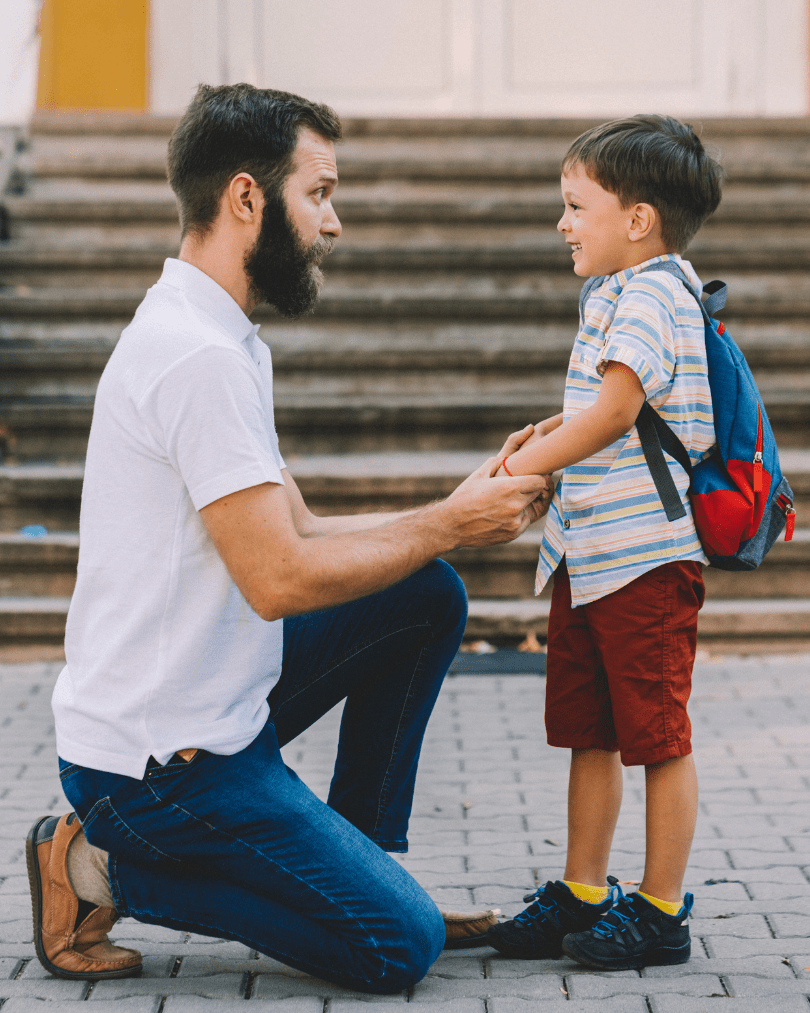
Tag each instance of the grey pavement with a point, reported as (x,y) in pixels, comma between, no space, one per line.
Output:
(488,825)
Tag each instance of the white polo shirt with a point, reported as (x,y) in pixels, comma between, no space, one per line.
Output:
(163,652)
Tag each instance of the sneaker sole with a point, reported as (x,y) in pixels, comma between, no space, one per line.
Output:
(35,882)
(663,956)
(513,953)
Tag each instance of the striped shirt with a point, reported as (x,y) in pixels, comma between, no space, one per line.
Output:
(606,517)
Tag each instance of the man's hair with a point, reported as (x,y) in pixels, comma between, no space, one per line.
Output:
(237,128)
(653,160)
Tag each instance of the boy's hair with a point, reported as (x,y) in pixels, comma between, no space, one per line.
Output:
(237,128)
(653,160)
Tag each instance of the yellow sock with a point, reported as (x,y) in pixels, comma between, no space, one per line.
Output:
(590,894)
(669,907)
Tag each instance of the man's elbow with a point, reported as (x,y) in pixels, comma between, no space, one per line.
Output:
(277,598)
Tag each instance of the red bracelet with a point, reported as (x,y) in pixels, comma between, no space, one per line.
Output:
(503,465)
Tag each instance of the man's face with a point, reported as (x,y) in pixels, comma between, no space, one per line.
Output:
(299,227)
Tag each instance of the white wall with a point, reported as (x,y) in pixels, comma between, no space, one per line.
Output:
(492,57)
(19,57)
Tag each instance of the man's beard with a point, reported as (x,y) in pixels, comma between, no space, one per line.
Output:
(282,271)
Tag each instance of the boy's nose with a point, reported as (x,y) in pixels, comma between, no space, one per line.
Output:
(562,224)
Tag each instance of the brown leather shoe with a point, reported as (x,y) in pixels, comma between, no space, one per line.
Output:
(468,929)
(68,945)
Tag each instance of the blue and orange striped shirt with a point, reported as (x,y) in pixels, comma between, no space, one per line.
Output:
(606,517)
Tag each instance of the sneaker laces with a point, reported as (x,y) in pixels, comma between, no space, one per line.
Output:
(535,910)
(547,912)
(617,919)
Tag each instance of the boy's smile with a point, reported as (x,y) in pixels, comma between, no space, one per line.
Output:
(603,236)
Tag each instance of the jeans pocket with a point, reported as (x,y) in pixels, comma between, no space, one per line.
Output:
(106,828)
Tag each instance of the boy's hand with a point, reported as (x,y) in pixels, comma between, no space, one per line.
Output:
(514,441)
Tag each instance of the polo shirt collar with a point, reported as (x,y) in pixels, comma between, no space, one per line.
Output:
(209,297)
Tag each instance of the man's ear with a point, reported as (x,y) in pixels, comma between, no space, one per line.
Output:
(244,199)
(644,219)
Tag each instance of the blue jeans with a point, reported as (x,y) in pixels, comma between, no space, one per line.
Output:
(238,847)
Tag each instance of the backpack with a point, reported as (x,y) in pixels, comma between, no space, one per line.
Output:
(740,499)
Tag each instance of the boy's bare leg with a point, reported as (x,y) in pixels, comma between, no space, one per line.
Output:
(672,800)
(594,800)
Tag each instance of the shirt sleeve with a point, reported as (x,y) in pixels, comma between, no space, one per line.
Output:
(214,421)
(642,335)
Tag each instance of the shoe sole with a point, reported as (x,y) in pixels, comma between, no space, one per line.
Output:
(468,943)
(512,953)
(35,882)
(655,958)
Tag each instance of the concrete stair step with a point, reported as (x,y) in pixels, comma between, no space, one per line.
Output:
(67,123)
(418,295)
(41,620)
(50,260)
(364,411)
(53,346)
(46,566)
(49,493)
(412,157)
(392,202)
(719,620)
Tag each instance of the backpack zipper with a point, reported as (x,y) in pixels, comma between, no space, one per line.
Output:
(758,455)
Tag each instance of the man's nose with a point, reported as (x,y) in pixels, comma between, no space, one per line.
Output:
(331,224)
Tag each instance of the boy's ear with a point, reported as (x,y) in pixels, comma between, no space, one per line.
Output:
(643,221)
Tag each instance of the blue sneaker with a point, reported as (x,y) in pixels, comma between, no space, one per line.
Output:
(634,934)
(537,933)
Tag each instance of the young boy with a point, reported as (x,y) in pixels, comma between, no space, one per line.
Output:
(627,581)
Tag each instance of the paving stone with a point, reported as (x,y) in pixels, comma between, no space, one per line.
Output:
(685,1004)
(768,968)
(216,986)
(619,1004)
(292,985)
(539,986)
(8,967)
(732,946)
(197,1004)
(465,1005)
(598,986)
(143,1004)
(743,985)
(50,988)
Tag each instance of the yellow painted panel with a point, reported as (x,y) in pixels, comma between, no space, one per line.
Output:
(93,54)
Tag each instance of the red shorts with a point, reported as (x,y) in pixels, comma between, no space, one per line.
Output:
(620,668)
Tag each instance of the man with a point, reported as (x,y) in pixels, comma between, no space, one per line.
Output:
(215,618)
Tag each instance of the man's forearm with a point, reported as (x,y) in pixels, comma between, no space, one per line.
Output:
(342,524)
(280,572)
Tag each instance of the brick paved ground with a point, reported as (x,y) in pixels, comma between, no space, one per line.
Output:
(489,823)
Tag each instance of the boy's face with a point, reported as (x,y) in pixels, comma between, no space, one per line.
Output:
(595,226)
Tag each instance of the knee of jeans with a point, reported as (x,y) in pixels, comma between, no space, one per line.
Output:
(449,589)
(410,959)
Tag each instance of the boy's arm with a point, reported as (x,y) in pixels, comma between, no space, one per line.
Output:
(614,413)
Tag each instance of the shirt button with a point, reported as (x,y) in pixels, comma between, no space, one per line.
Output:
(566,523)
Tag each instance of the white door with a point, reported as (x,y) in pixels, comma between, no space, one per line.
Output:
(492,57)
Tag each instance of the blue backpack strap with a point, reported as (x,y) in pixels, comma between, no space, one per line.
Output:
(715,291)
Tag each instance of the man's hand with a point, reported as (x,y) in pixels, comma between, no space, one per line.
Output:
(483,512)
